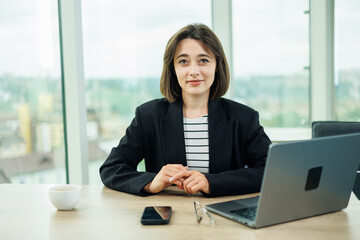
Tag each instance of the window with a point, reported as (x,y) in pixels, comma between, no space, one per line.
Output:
(271,59)
(124,43)
(31,111)
(347,60)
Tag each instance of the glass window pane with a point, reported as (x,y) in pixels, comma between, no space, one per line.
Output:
(271,51)
(31,111)
(347,60)
(124,43)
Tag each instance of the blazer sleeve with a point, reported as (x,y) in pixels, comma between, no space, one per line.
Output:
(119,169)
(248,178)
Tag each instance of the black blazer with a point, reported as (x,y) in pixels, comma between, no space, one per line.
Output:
(238,148)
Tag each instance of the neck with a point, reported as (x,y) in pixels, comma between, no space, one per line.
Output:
(195,107)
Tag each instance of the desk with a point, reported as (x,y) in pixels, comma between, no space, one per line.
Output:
(26,213)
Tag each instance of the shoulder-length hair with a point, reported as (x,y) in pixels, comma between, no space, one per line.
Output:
(169,86)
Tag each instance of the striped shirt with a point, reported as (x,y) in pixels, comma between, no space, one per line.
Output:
(197,143)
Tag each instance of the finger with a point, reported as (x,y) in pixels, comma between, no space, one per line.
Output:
(177,166)
(161,180)
(164,178)
(202,185)
(193,176)
(171,170)
(197,187)
(177,183)
(189,179)
(196,179)
(189,183)
(186,184)
(181,179)
(186,189)
(179,175)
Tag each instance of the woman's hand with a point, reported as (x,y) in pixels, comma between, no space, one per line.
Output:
(193,182)
(162,179)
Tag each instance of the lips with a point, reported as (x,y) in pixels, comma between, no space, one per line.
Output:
(195,81)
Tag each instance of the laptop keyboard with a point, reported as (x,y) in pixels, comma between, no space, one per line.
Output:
(248,213)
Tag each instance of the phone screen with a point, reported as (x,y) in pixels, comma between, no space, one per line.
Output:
(156,215)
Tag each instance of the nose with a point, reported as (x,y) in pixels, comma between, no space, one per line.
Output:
(194,72)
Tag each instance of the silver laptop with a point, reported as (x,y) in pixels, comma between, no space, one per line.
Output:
(301,179)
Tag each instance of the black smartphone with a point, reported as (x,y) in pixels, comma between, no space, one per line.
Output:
(156,215)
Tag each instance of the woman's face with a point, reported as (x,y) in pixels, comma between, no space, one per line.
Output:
(195,68)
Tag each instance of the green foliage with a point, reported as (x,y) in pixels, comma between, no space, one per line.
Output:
(282,101)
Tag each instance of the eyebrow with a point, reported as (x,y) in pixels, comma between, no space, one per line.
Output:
(187,55)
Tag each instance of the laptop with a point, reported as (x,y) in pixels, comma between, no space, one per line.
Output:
(301,179)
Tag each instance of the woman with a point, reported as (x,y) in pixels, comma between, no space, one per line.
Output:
(192,138)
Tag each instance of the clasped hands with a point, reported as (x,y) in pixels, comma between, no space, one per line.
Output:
(188,180)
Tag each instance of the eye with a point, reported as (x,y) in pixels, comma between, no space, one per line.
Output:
(183,61)
(204,60)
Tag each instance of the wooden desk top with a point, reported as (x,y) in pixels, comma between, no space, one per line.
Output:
(26,213)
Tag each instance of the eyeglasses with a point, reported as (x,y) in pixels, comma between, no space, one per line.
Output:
(202,212)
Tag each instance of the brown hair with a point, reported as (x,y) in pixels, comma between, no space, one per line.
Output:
(169,86)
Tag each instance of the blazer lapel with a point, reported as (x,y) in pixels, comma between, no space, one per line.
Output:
(173,135)
(220,138)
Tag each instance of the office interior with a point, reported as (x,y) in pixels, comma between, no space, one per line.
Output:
(73,72)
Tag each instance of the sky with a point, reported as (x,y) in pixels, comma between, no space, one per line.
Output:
(128,38)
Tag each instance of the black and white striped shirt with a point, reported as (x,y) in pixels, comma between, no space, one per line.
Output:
(197,143)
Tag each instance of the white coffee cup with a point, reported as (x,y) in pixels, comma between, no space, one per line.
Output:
(65,197)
